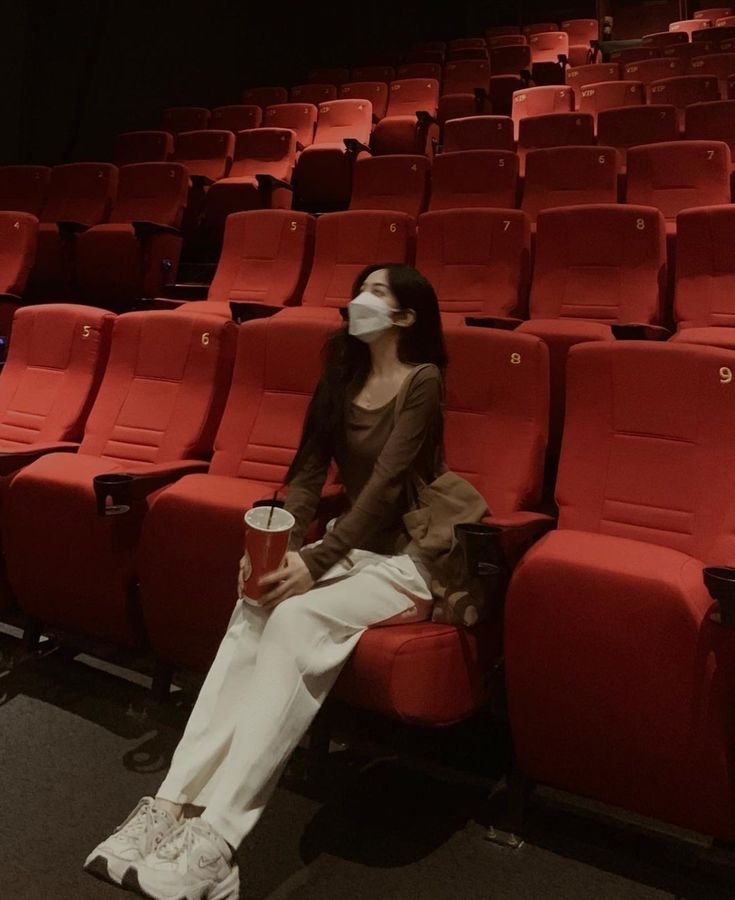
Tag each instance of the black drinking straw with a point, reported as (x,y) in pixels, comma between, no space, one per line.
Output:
(273,506)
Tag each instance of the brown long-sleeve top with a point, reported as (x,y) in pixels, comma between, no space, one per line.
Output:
(380,450)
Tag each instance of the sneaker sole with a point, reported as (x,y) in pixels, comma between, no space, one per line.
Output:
(100,869)
(229,889)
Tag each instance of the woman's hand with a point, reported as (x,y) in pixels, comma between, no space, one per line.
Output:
(290,579)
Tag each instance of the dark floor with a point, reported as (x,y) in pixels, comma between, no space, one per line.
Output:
(80,745)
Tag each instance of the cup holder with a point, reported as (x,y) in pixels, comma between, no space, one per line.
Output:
(481,546)
(115,487)
(720,582)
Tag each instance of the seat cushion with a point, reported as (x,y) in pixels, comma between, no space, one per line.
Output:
(712,336)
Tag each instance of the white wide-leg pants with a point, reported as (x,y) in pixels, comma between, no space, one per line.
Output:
(271,674)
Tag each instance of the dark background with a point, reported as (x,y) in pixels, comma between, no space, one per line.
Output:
(79,71)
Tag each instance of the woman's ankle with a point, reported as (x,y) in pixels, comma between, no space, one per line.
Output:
(175,810)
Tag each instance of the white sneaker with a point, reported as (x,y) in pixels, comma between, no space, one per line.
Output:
(141,832)
(191,863)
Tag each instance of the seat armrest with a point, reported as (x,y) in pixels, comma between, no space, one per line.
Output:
(267,183)
(170,303)
(354,146)
(201,180)
(244,311)
(480,97)
(12,460)
(519,532)
(507,323)
(299,146)
(633,331)
(7,297)
(69,229)
(126,489)
(147,229)
(425,118)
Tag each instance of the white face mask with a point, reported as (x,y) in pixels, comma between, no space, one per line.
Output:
(369,316)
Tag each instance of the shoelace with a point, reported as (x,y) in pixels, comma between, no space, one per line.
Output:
(141,819)
(179,841)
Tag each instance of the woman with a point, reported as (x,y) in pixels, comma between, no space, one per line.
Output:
(279,660)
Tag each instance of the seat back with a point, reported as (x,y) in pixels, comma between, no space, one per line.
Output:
(593,98)
(661,39)
(606,263)
(419,70)
(689,50)
(633,54)
(341,119)
(496,413)
(80,192)
(478,133)
(594,73)
(376,92)
(185,118)
(468,178)
(313,93)
(266,254)
(206,154)
(711,122)
(506,40)
(679,174)
(540,28)
(299,117)
(648,70)
(556,130)
(236,118)
(661,417)
(151,192)
(569,176)
(469,43)
(540,101)
(54,366)
(385,74)
(548,46)
(510,60)
(18,239)
(409,95)
(721,65)
(463,76)
(277,367)
(689,26)
(348,241)
(265,96)
(713,13)
(625,128)
(705,267)
(395,181)
(264,151)
(143,146)
(164,388)
(720,34)
(683,90)
(328,76)
(476,259)
(23,188)
(581,31)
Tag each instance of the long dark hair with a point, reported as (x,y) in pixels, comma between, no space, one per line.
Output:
(347,360)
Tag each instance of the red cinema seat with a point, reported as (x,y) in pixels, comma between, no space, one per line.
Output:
(593,98)
(496,409)
(419,70)
(619,682)
(506,40)
(465,90)
(260,177)
(137,251)
(24,188)
(478,133)
(712,122)
(502,89)
(469,54)
(265,96)
(731,87)
(689,26)
(265,260)
(410,120)
(626,128)
(399,181)
(648,70)
(661,39)
(677,175)
(578,77)
(207,155)
(313,93)
(682,91)
(720,34)
(581,33)
(595,266)
(299,117)
(510,60)
(634,54)
(704,298)
(143,146)
(689,50)
(540,28)
(185,118)
(155,417)
(79,195)
(540,101)
(18,242)
(384,74)
(276,370)
(713,14)
(375,92)
(477,259)
(725,22)
(323,173)
(471,178)
(554,130)
(569,176)
(328,76)
(236,118)
(548,46)
(721,65)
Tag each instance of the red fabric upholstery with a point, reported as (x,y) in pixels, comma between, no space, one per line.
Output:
(510,60)
(721,65)
(648,70)
(399,181)
(277,367)
(713,13)
(633,54)
(177,119)
(540,28)
(712,122)
(207,154)
(554,130)
(607,619)
(679,174)
(265,96)
(568,176)
(18,239)
(468,178)
(710,336)
(540,101)
(502,89)
(506,40)
(236,118)
(720,33)
(689,50)
(688,26)
(581,31)
(376,92)
(461,79)
(626,128)
(399,131)
(578,77)
(547,46)
(143,146)
(117,265)
(419,70)
(593,98)
(682,91)
(299,117)
(313,93)
(477,260)
(478,133)
(23,188)
(374,73)
(662,39)
(265,258)
(159,403)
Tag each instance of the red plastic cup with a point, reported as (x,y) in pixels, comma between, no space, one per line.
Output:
(265,546)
